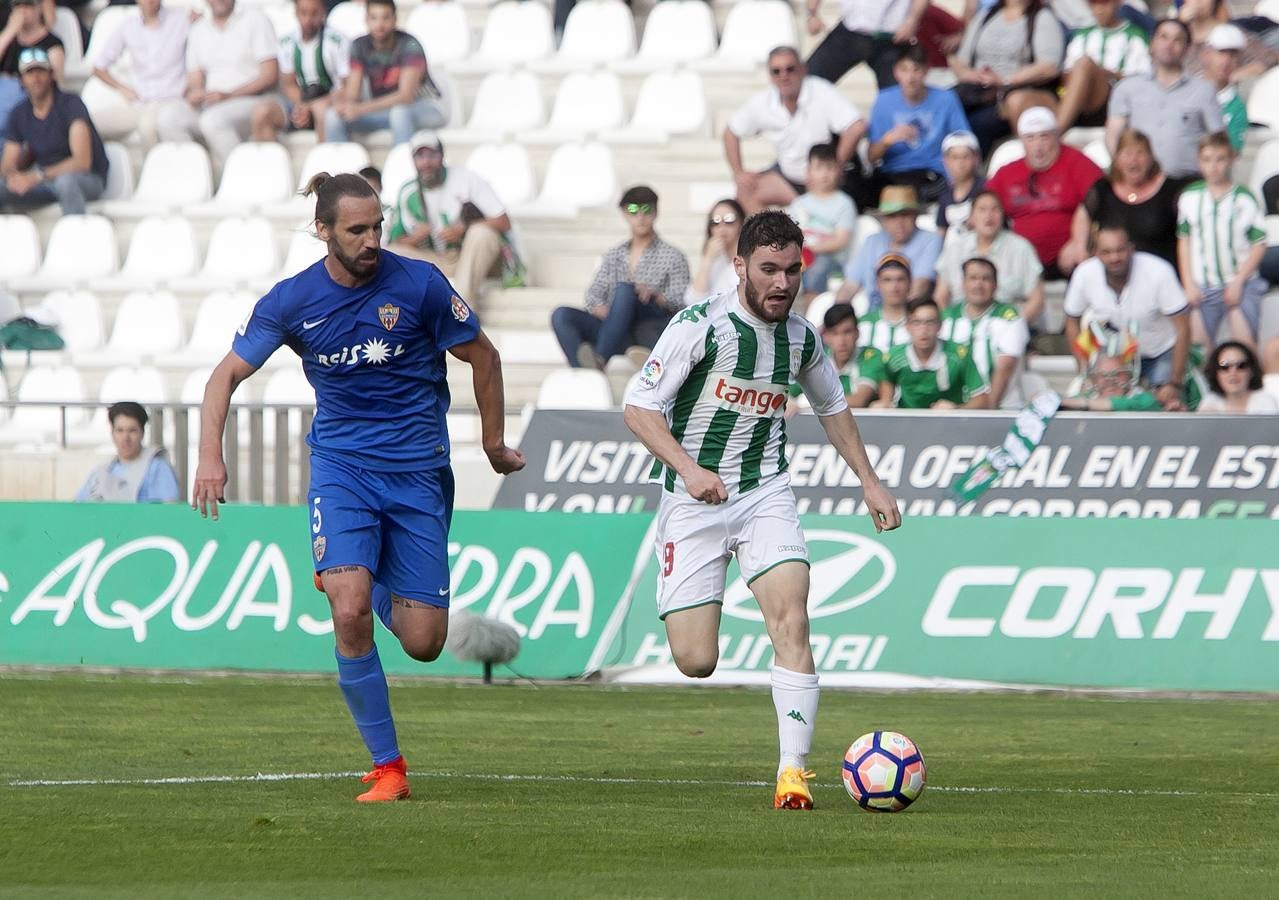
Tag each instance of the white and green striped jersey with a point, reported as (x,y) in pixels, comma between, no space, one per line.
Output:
(999,331)
(1123,49)
(1221,231)
(720,375)
(873,330)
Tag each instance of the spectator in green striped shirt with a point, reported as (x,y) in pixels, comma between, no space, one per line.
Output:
(1220,243)
(929,373)
(1096,58)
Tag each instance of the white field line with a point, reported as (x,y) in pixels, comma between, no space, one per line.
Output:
(587,779)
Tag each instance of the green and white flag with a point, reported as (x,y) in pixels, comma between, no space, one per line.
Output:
(1023,437)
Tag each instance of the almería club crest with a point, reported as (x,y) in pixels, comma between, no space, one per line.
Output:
(389,315)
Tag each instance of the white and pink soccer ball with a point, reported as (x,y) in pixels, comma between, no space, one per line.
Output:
(884,771)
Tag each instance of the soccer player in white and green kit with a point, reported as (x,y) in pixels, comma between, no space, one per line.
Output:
(709,405)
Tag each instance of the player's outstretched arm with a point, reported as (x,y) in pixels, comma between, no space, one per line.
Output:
(843,433)
(210,473)
(650,427)
(486,378)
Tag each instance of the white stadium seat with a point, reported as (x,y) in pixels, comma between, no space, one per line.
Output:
(507,169)
(141,384)
(597,32)
(1098,153)
(79,315)
(119,172)
(753,27)
(442,29)
(578,175)
(575,389)
(147,324)
(21,243)
(1263,101)
(304,249)
(585,104)
(515,32)
(334,158)
(216,321)
(1264,165)
(348,19)
(45,384)
(669,102)
(397,171)
(677,31)
(174,174)
(101,100)
(255,175)
(1010,150)
(1267,8)
(241,249)
(67,27)
(81,249)
(506,103)
(162,249)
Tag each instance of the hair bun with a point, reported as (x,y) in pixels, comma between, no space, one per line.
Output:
(317,181)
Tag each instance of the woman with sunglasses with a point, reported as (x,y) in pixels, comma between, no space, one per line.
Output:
(715,273)
(1234,375)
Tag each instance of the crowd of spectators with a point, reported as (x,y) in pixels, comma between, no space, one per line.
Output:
(1164,249)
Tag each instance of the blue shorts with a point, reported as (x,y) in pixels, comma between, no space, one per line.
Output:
(395,524)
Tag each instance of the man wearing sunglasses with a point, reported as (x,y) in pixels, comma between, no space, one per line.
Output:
(68,164)
(798,112)
(637,288)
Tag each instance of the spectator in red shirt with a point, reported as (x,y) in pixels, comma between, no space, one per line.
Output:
(1042,191)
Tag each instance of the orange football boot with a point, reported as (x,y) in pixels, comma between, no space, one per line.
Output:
(792,789)
(390,782)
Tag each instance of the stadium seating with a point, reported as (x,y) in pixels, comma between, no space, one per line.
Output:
(304,249)
(347,18)
(578,175)
(1263,101)
(753,28)
(506,103)
(1098,153)
(104,25)
(162,249)
(442,29)
(670,102)
(67,27)
(216,321)
(585,104)
(575,389)
(507,168)
(21,244)
(241,250)
(255,175)
(41,424)
(81,249)
(119,174)
(79,315)
(1264,166)
(141,384)
(677,31)
(514,33)
(147,324)
(597,32)
(1008,151)
(174,175)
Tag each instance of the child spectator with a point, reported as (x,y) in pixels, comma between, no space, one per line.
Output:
(827,216)
(929,373)
(961,157)
(1220,243)
(859,371)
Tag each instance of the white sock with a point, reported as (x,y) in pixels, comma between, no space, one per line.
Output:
(795,699)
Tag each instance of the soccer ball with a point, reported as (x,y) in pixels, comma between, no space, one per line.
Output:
(884,771)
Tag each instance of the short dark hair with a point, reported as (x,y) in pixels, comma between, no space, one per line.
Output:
(641,193)
(918,303)
(1115,225)
(912,52)
(983,261)
(1218,139)
(823,153)
(770,228)
(1174,21)
(127,408)
(390,3)
(371,172)
(1212,373)
(838,314)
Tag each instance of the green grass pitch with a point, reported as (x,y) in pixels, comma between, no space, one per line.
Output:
(626,793)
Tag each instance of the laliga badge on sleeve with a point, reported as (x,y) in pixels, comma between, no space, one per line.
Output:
(461,311)
(651,374)
(319,545)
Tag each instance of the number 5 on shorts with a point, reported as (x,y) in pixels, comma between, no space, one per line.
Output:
(668,559)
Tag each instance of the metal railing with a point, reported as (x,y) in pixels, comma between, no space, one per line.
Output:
(258,470)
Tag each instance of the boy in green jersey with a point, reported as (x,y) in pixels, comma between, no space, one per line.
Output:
(929,373)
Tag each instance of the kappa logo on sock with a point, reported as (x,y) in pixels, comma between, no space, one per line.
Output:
(797,716)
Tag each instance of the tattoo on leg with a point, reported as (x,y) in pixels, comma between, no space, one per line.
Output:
(406,602)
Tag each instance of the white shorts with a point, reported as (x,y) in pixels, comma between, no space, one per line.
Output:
(695,541)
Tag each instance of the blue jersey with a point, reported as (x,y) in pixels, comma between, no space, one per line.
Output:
(375,356)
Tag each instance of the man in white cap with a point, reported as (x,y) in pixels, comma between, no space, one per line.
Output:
(1167,105)
(449,216)
(1041,191)
(1220,58)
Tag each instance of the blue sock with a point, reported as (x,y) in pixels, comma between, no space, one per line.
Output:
(363,685)
(382,605)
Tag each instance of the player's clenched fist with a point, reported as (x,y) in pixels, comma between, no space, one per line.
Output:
(705,486)
(883,508)
(505,460)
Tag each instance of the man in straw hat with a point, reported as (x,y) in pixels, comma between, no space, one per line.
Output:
(898,209)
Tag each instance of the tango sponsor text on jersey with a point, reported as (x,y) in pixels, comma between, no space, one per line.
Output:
(720,375)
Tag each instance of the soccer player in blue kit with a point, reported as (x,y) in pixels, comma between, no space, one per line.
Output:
(372,329)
